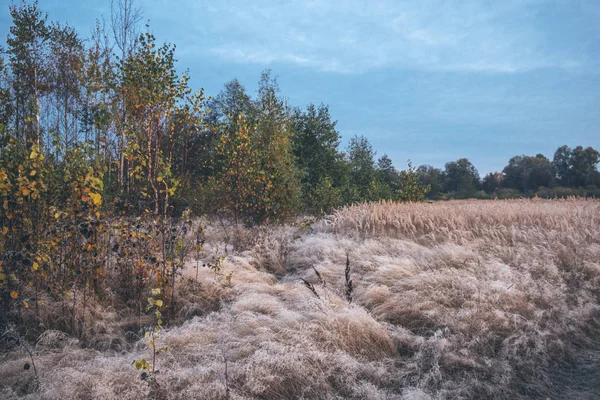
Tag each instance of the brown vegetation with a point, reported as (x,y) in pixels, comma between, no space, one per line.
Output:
(469,299)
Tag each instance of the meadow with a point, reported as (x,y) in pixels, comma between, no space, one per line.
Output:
(496,299)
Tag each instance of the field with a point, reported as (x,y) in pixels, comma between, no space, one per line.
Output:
(450,300)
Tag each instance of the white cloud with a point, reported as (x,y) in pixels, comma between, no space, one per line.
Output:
(350,36)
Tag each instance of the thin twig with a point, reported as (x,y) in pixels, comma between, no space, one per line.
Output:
(30,356)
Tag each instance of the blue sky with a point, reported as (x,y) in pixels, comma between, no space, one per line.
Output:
(432,81)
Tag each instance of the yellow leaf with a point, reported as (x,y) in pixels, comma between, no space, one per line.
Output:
(33,172)
(36,266)
(4,230)
(158,303)
(26,191)
(96,198)
(14,295)
(33,154)
(25,304)
(98,183)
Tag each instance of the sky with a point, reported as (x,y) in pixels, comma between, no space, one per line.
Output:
(427,80)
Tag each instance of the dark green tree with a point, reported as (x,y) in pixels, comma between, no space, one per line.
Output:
(491,182)
(561,165)
(461,177)
(576,167)
(527,174)
(432,177)
(584,166)
(360,158)
(315,144)
(229,104)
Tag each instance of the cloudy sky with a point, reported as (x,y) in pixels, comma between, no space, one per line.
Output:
(432,81)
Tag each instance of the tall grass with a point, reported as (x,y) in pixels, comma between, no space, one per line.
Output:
(453,300)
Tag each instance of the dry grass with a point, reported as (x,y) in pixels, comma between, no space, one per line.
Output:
(453,300)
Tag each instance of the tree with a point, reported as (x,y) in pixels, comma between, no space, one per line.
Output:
(6,105)
(315,144)
(360,158)
(431,177)
(461,177)
(273,138)
(229,104)
(239,179)
(491,182)
(65,77)
(125,17)
(97,98)
(26,48)
(155,94)
(584,166)
(387,173)
(577,167)
(561,165)
(411,189)
(526,173)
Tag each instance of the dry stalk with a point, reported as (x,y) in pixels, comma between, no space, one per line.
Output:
(319,276)
(349,287)
(310,286)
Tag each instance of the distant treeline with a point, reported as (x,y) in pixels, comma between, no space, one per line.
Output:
(571,172)
(111,116)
